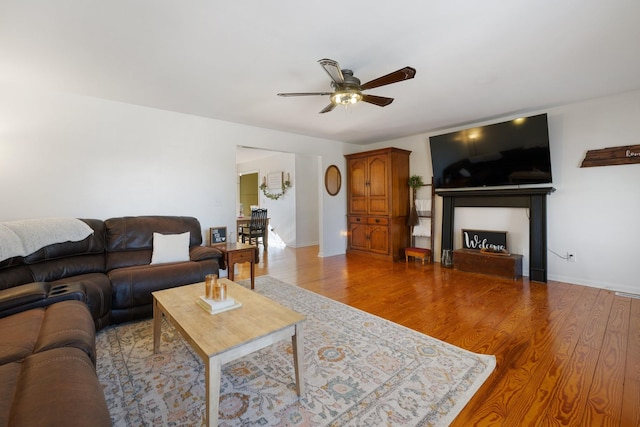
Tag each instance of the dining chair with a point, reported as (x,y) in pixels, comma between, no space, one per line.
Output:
(257,227)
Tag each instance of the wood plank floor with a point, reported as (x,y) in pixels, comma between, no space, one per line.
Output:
(567,355)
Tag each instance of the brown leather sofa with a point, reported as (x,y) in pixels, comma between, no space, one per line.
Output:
(129,246)
(110,270)
(53,301)
(47,368)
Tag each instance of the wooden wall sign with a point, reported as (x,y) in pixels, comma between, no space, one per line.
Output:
(625,155)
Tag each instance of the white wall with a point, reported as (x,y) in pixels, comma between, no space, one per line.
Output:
(308,194)
(68,155)
(593,212)
(330,242)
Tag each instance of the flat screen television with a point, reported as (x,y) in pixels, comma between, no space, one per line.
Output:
(502,154)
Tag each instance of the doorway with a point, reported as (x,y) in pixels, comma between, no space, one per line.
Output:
(248,193)
(296,217)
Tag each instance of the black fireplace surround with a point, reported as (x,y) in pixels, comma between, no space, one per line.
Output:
(533,198)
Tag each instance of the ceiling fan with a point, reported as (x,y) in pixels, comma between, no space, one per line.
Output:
(348,90)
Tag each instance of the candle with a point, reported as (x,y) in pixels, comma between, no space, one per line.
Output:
(211,281)
(220,291)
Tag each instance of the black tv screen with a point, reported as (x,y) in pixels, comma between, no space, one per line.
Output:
(502,154)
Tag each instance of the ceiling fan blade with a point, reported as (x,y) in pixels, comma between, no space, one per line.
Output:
(328,108)
(380,101)
(405,73)
(305,93)
(333,69)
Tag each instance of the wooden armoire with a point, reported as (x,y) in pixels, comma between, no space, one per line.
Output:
(378,202)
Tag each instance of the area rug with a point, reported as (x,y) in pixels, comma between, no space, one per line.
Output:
(361,370)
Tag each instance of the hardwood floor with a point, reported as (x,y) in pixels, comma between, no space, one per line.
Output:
(567,355)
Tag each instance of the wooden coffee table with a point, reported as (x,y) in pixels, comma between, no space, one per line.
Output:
(223,337)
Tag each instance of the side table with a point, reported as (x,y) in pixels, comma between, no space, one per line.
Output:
(235,253)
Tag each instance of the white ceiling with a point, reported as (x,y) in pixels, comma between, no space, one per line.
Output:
(475,60)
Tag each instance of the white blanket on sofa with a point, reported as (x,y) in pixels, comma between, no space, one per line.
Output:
(22,238)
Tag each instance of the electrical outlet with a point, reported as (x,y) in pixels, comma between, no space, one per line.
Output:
(571,256)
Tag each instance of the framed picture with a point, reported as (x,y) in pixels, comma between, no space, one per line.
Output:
(218,235)
(274,181)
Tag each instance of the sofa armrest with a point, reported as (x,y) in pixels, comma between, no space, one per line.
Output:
(200,253)
(23,295)
(38,294)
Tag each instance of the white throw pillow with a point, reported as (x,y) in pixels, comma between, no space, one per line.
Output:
(170,248)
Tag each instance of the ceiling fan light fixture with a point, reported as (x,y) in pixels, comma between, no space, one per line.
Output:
(347,87)
(346,97)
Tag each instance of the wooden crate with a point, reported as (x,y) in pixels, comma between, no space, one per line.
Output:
(509,266)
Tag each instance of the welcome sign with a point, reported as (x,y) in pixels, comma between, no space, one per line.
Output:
(484,239)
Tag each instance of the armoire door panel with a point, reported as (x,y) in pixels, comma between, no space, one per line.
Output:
(378,206)
(357,187)
(358,236)
(379,239)
(378,178)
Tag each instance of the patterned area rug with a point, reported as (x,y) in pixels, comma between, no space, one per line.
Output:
(361,370)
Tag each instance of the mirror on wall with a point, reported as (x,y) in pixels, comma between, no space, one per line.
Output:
(332,180)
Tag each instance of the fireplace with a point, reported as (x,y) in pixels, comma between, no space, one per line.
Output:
(533,198)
